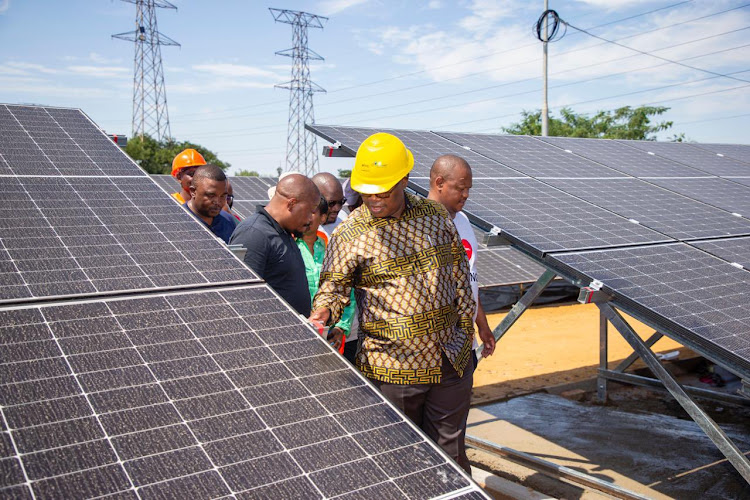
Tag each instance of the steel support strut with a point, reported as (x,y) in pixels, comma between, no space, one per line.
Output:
(712,430)
(517,310)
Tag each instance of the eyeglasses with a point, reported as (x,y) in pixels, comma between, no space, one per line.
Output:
(337,202)
(382,196)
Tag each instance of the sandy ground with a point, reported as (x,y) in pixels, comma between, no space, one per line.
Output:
(549,346)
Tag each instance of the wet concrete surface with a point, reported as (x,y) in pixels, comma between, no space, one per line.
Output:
(627,443)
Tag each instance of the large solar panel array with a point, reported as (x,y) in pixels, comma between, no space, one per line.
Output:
(115,383)
(615,211)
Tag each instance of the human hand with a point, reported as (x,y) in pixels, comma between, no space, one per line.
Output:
(488,339)
(336,337)
(319,318)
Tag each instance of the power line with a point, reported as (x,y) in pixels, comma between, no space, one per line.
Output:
(714,119)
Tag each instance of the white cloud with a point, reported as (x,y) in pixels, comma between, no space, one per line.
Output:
(330,7)
(4,5)
(32,67)
(611,4)
(225,70)
(434,4)
(486,14)
(99,71)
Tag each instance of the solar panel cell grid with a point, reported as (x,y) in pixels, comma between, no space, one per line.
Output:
(530,156)
(425,146)
(249,188)
(693,157)
(703,297)
(739,152)
(50,141)
(545,219)
(505,266)
(721,193)
(661,210)
(75,235)
(735,250)
(625,159)
(106,409)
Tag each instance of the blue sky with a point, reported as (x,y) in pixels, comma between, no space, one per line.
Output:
(465,65)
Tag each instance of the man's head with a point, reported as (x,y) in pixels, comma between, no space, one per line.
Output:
(450,181)
(230,195)
(294,202)
(184,166)
(208,190)
(381,171)
(331,190)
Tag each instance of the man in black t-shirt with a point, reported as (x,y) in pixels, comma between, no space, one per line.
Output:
(268,236)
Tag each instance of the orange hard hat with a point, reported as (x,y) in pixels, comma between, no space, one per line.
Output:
(188,158)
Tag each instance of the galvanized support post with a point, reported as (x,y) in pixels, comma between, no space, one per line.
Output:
(712,430)
(653,339)
(601,382)
(520,306)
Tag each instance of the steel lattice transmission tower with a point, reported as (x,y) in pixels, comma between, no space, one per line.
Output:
(150,115)
(301,147)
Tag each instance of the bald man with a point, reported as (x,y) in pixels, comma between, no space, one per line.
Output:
(330,189)
(268,235)
(450,182)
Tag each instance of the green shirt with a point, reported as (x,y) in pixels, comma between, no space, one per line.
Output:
(313,265)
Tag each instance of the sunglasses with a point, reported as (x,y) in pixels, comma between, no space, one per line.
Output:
(337,202)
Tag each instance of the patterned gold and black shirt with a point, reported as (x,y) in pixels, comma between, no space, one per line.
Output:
(411,282)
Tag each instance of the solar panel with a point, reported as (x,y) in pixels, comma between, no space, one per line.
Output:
(425,146)
(702,298)
(734,250)
(661,210)
(247,208)
(166,182)
(247,188)
(151,397)
(736,151)
(499,266)
(745,181)
(64,236)
(693,157)
(56,142)
(620,157)
(530,156)
(720,193)
(544,219)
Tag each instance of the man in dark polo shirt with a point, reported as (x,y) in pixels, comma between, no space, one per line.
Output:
(268,236)
(208,191)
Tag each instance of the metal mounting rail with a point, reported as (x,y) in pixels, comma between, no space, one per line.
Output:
(552,469)
(712,430)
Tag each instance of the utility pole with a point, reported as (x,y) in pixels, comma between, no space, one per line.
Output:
(301,147)
(545,107)
(150,115)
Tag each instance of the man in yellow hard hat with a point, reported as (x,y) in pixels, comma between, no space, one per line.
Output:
(184,166)
(403,258)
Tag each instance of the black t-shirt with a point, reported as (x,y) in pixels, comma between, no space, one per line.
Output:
(274,256)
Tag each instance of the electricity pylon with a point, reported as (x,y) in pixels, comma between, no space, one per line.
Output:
(301,147)
(150,115)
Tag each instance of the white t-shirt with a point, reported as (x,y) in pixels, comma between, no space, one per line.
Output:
(469,241)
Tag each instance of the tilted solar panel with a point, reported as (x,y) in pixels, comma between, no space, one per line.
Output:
(249,188)
(734,250)
(246,208)
(497,266)
(702,298)
(735,151)
(530,156)
(425,146)
(197,395)
(86,235)
(672,214)
(56,142)
(631,161)
(693,157)
(166,182)
(721,193)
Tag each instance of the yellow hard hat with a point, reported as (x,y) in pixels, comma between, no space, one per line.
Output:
(382,160)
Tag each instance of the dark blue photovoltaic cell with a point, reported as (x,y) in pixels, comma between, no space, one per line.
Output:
(166,182)
(736,250)
(425,146)
(702,298)
(735,151)
(692,156)
(504,266)
(147,395)
(57,142)
(548,220)
(721,193)
(656,208)
(631,161)
(530,156)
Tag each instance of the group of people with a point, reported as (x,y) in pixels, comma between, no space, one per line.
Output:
(391,277)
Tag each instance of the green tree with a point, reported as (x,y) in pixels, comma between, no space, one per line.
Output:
(248,173)
(622,123)
(344,173)
(155,157)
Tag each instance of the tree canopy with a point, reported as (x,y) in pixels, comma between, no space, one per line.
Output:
(155,157)
(247,173)
(345,173)
(622,123)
